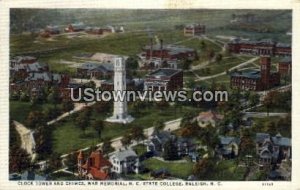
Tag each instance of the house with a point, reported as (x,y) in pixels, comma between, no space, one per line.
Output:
(22,60)
(156,141)
(208,118)
(228,147)
(256,80)
(194,30)
(75,27)
(272,149)
(285,66)
(164,79)
(93,70)
(125,161)
(95,167)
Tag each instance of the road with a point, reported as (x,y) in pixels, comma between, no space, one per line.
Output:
(263,114)
(27,139)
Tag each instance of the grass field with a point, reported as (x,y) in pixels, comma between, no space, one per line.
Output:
(180,170)
(19,110)
(227,170)
(68,137)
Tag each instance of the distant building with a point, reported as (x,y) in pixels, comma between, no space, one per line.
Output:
(208,118)
(75,27)
(94,30)
(125,161)
(164,79)
(285,66)
(93,70)
(272,149)
(256,80)
(49,31)
(95,167)
(194,30)
(159,55)
(243,18)
(22,60)
(262,47)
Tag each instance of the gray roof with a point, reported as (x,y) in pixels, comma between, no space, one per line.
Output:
(281,141)
(95,66)
(164,72)
(261,137)
(283,45)
(254,42)
(78,26)
(124,154)
(172,49)
(253,74)
(46,76)
(225,140)
(286,60)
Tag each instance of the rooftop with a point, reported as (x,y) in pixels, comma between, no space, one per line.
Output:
(253,74)
(164,72)
(124,154)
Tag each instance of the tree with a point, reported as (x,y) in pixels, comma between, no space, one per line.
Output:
(68,105)
(35,119)
(186,64)
(53,163)
(159,125)
(71,162)
(270,127)
(247,145)
(19,160)
(126,140)
(53,96)
(132,62)
(204,168)
(106,146)
(210,54)
(83,120)
(98,125)
(137,133)
(170,150)
(253,99)
(219,58)
(203,45)
(271,100)
(24,97)
(102,106)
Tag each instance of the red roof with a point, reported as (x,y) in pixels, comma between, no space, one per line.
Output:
(94,163)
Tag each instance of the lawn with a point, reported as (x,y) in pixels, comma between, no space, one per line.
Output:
(19,110)
(227,170)
(68,137)
(140,149)
(180,170)
(215,68)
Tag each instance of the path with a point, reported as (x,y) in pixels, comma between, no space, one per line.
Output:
(27,140)
(78,107)
(224,73)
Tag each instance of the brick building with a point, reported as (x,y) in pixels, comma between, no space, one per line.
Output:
(285,66)
(95,167)
(256,80)
(164,79)
(157,55)
(262,47)
(94,30)
(194,30)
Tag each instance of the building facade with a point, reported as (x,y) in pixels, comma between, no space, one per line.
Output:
(164,79)
(194,30)
(256,80)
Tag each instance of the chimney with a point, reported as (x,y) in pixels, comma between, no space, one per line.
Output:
(161,49)
(151,48)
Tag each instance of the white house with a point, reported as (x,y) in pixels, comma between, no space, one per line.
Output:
(125,161)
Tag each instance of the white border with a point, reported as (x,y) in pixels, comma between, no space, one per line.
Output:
(149,4)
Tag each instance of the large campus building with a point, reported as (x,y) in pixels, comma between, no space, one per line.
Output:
(262,47)
(256,80)
(194,30)
(164,79)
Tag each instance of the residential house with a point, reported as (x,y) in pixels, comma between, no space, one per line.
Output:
(228,147)
(125,161)
(157,140)
(95,167)
(272,149)
(75,27)
(208,118)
